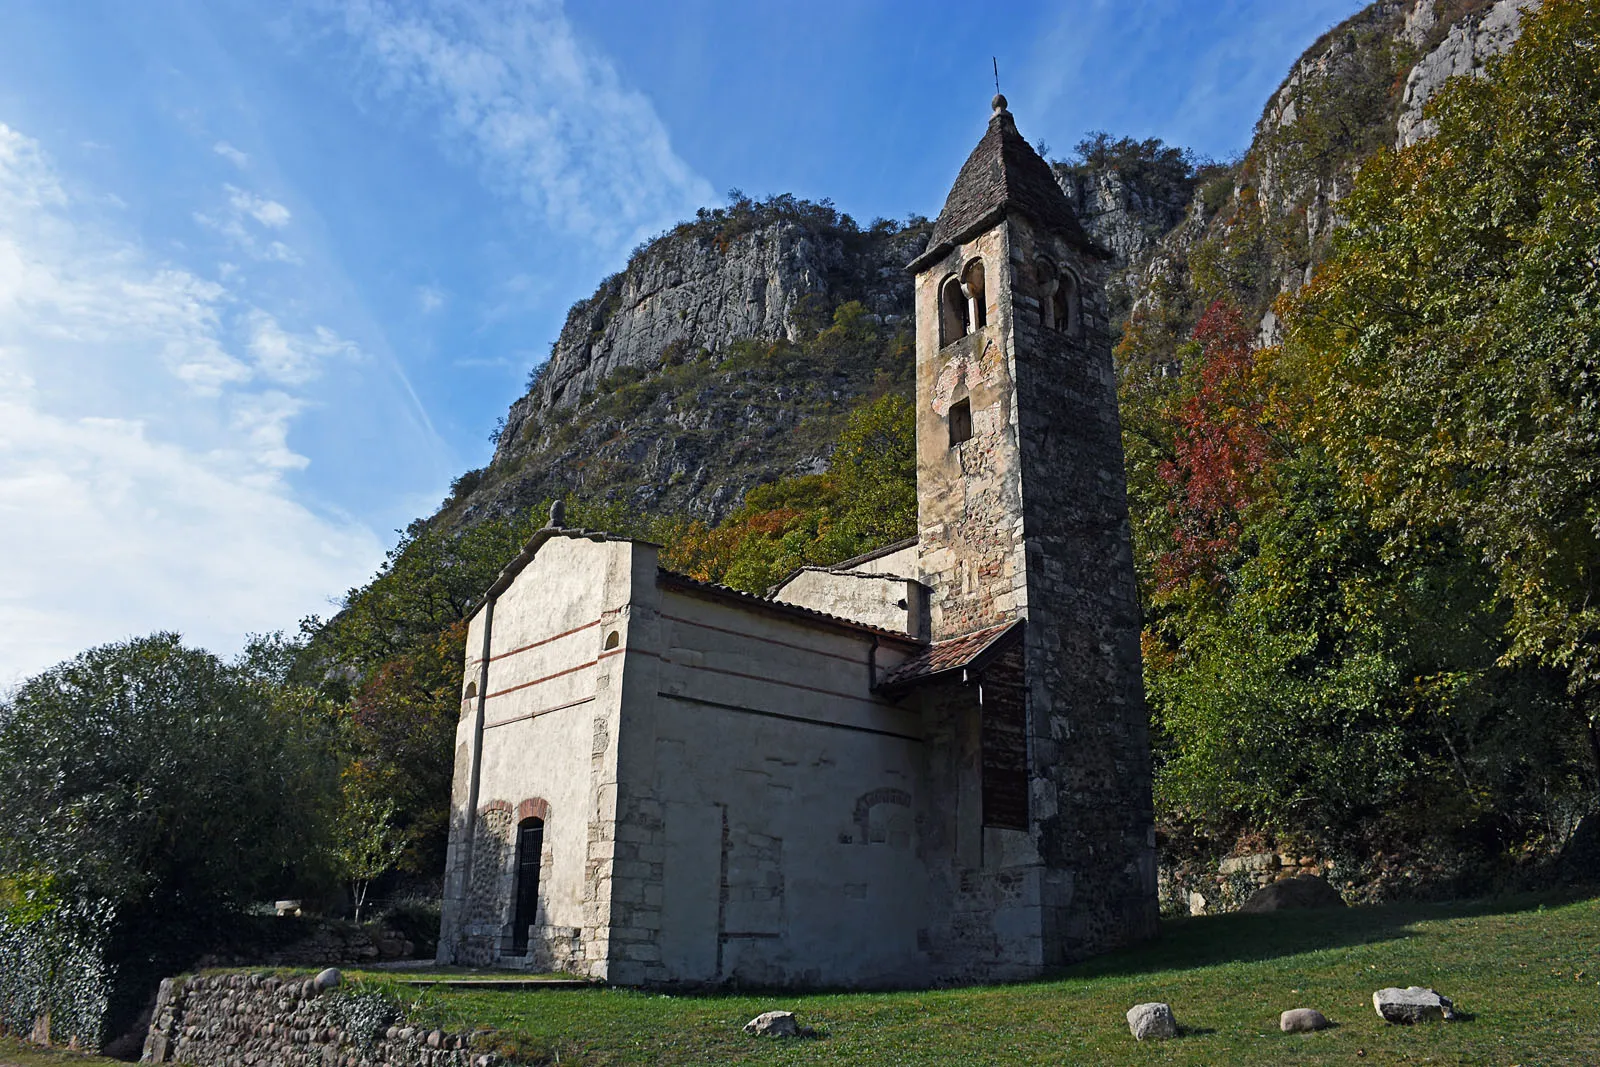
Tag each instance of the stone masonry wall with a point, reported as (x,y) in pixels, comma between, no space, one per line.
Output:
(230,1020)
(968,495)
(1091,754)
(1211,889)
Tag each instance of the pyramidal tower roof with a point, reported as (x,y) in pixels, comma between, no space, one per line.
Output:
(1003,173)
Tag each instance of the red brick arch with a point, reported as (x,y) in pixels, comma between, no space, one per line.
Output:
(533,808)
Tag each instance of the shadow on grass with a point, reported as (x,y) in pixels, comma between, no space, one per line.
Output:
(1206,941)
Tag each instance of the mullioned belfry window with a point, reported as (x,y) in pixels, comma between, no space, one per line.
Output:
(972,287)
(962,304)
(953,321)
(1058,298)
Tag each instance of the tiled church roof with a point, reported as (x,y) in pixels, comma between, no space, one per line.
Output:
(942,658)
(1003,172)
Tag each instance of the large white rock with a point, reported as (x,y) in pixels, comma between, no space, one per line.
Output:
(1413,1004)
(1302,1021)
(1152,1020)
(773,1024)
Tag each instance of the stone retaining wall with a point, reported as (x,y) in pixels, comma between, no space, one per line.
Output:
(1195,889)
(235,1020)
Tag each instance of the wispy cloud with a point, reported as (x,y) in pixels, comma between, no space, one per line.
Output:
(231,154)
(245,221)
(1221,62)
(146,416)
(545,116)
(430,298)
(292,358)
(268,213)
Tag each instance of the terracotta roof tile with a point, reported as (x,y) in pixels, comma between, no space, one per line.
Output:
(951,655)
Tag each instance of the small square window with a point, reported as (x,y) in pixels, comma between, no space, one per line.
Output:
(960,422)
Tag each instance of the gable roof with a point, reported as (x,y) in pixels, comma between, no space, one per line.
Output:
(739,598)
(509,572)
(877,553)
(848,566)
(943,660)
(1003,173)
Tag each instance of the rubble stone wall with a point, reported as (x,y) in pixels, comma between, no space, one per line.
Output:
(227,1020)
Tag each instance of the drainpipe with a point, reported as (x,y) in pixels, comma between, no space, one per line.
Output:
(469,838)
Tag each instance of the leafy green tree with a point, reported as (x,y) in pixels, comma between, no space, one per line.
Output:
(1452,342)
(158,785)
(400,740)
(146,769)
(366,843)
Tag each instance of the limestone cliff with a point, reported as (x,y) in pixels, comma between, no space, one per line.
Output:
(681,383)
(1261,226)
(675,387)
(1466,42)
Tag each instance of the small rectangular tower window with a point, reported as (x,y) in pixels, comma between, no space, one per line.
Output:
(960,422)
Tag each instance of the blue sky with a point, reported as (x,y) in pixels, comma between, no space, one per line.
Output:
(269,272)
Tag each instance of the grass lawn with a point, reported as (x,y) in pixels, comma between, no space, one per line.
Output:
(1527,969)
(17,1054)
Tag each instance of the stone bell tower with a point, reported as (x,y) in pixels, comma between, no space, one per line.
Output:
(1022,515)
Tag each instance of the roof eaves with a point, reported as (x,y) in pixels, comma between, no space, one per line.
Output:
(877,553)
(975,662)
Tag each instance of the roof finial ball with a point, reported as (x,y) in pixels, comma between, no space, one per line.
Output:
(999,103)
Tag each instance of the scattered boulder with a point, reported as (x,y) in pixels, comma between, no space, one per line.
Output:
(1413,1004)
(1154,1020)
(777,1024)
(326,980)
(1298,891)
(1302,1021)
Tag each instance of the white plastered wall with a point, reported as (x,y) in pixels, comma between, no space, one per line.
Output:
(551,710)
(771,836)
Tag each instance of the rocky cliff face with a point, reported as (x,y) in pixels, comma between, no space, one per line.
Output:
(755,271)
(681,382)
(1469,40)
(1362,86)
(1123,210)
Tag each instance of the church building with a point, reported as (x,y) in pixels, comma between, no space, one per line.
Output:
(926,765)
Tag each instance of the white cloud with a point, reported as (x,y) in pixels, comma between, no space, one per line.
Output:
(430,298)
(546,116)
(231,154)
(145,435)
(269,213)
(233,223)
(291,358)
(1222,60)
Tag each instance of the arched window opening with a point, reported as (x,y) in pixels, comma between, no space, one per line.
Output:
(472,690)
(960,421)
(953,322)
(1064,305)
(972,286)
(530,846)
(1049,283)
(613,639)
